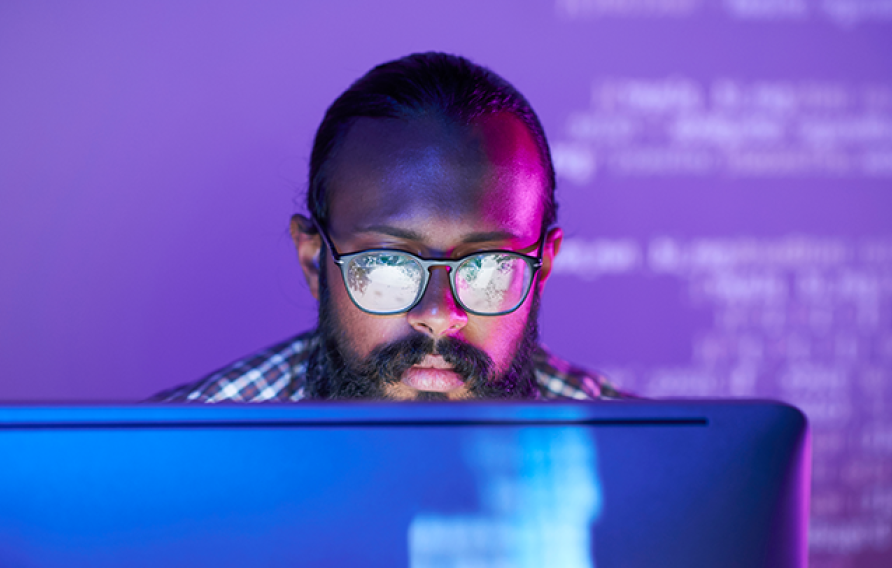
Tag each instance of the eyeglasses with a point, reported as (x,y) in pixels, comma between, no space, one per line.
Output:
(389,281)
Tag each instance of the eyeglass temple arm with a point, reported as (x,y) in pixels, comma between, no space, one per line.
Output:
(541,248)
(335,255)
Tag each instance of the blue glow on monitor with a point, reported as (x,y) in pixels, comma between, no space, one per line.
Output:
(539,494)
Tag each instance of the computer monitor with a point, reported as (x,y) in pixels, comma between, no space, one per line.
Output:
(608,484)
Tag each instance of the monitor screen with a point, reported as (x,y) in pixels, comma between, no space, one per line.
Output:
(627,484)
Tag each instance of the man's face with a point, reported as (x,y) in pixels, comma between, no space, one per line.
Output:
(437,190)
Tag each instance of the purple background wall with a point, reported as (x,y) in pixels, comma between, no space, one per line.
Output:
(725,182)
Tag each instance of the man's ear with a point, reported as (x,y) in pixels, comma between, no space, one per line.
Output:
(309,244)
(549,252)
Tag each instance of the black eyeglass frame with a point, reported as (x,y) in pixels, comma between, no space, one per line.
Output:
(343,260)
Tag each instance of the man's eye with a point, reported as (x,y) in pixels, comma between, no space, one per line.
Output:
(505,262)
(474,262)
(486,263)
(373,260)
(391,259)
(471,267)
(496,261)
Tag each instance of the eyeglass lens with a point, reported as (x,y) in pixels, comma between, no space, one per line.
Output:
(486,283)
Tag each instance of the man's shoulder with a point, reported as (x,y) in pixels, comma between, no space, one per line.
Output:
(558,379)
(277,373)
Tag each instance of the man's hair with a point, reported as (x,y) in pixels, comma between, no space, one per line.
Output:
(445,85)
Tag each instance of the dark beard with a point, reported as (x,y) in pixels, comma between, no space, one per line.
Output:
(334,372)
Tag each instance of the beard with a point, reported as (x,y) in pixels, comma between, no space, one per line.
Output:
(335,372)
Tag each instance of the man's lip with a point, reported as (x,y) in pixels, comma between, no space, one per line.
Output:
(433,373)
(433,362)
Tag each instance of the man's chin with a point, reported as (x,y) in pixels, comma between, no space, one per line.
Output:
(403,392)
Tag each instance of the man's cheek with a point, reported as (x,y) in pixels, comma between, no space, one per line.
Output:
(499,337)
(365,332)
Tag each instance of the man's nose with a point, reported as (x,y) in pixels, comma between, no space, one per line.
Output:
(437,314)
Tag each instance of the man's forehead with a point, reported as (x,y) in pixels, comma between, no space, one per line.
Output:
(486,176)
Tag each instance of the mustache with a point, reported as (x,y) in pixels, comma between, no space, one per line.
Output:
(391,361)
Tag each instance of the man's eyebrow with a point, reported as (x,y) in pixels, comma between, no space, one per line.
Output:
(479,237)
(392,231)
(485,237)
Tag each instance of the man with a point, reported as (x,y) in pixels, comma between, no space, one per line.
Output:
(428,243)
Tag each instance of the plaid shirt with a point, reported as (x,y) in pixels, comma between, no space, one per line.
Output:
(279,374)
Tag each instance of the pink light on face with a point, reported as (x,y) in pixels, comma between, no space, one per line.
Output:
(513,152)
